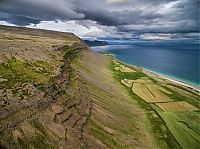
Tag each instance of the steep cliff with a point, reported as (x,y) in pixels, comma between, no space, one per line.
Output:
(55,92)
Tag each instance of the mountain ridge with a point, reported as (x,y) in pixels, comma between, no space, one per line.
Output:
(57,93)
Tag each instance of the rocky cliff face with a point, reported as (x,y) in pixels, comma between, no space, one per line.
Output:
(43,101)
(57,93)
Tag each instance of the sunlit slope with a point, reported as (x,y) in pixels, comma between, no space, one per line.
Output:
(44,102)
(117,121)
(56,93)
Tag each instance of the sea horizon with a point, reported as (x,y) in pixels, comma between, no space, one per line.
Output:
(190,57)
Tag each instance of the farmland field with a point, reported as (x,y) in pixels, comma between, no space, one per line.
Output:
(178,110)
(163,89)
(149,93)
(186,136)
(176,106)
(143,80)
(155,90)
(127,83)
(126,69)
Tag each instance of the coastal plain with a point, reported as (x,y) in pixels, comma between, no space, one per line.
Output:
(176,105)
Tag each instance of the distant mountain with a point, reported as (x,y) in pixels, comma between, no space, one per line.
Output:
(93,43)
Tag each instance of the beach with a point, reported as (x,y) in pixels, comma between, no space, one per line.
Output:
(178,60)
(160,76)
(170,79)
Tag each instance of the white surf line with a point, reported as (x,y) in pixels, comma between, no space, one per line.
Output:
(172,80)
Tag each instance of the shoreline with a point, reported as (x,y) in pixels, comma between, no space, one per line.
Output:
(170,101)
(171,80)
(159,75)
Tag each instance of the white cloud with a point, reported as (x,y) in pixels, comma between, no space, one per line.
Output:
(169,36)
(149,36)
(91,29)
(168,8)
(6,23)
(105,18)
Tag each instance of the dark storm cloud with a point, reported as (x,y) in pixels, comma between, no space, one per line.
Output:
(118,12)
(40,9)
(132,16)
(18,20)
(124,17)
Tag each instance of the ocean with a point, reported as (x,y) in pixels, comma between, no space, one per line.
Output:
(175,59)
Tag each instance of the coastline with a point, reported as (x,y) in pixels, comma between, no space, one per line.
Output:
(172,102)
(158,75)
(170,79)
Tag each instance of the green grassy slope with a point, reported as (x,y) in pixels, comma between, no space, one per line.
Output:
(117,120)
(43,101)
(55,92)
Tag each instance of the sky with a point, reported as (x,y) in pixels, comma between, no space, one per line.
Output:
(119,19)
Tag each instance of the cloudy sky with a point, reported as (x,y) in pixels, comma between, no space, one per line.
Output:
(143,19)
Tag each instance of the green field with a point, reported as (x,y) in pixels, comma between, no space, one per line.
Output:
(181,130)
(183,126)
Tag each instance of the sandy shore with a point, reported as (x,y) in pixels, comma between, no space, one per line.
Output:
(172,80)
(158,75)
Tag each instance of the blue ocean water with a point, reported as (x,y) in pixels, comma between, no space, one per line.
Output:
(176,59)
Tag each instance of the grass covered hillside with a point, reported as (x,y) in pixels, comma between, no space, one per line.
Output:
(43,100)
(55,92)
